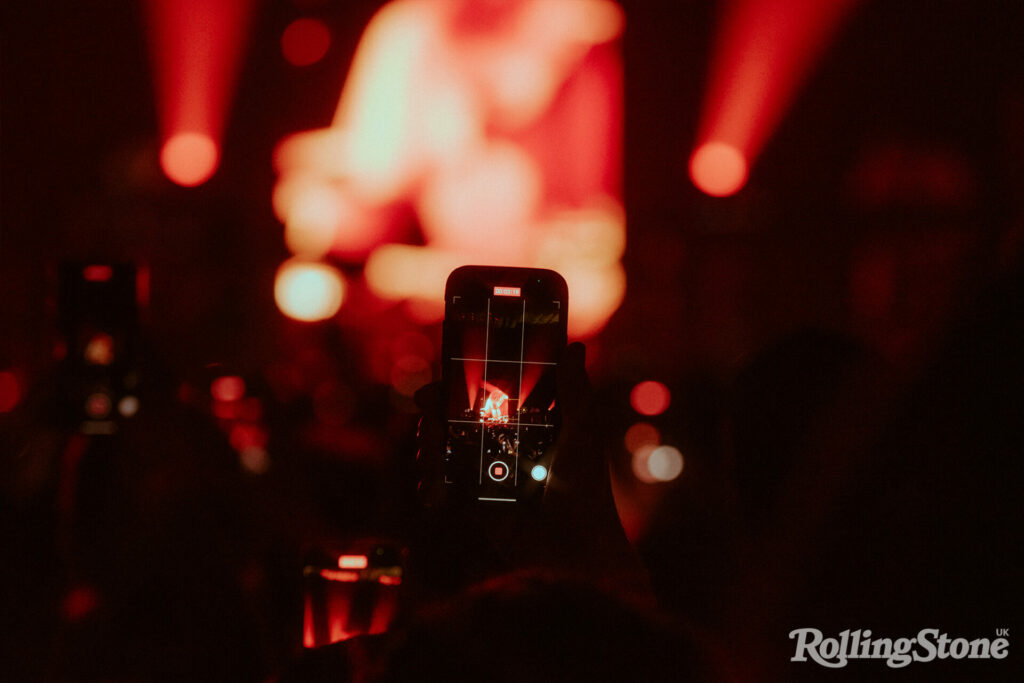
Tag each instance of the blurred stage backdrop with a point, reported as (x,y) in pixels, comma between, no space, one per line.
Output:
(292,181)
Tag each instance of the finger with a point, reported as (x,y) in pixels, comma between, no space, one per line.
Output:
(574,391)
(579,468)
(430,441)
(430,400)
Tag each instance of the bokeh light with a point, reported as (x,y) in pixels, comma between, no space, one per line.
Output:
(227,388)
(312,218)
(639,463)
(397,271)
(539,473)
(482,203)
(308,291)
(254,459)
(353,562)
(128,406)
(665,463)
(244,435)
(100,349)
(334,403)
(641,434)
(98,405)
(305,41)
(189,159)
(79,602)
(97,273)
(650,398)
(718,169)
(654,464)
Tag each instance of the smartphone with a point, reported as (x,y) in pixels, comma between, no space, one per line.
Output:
(504,333)
(98,324)
(352,592)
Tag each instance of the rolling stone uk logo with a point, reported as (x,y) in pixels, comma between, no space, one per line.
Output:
(927,646)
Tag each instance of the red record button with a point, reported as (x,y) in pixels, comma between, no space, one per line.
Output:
(498,471)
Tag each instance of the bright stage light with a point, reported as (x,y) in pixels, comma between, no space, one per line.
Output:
(763,52)
(654,464)
(98,405)
(189,159)
(498,127)
(399,271)
(718,169)
(128,406)
(650,398)
(196,48)
(409,373)
(665,463)
(308,291)
(353,562)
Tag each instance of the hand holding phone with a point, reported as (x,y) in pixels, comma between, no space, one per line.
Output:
(568,522)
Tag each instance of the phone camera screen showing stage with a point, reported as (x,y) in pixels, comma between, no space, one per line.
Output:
(504,345)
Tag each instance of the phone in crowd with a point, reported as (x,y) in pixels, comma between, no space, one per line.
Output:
(98,328)
(351,592)
(504,333)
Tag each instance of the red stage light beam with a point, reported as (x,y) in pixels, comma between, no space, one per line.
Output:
(196,48)
(763,51)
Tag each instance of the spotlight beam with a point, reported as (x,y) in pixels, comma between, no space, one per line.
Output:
(196,48)
(763,51)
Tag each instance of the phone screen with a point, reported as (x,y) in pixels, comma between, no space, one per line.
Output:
(505,329)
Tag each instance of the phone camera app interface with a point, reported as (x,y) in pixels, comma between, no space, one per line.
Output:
(501,368)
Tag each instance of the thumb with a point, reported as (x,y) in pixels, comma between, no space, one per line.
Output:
(578,465)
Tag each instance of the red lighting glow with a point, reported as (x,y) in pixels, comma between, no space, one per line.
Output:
(763,51)
(227,388)
(97,406)
(97,273)
(308,291)
(498,124)
(652,465)
(338,575)
(353,562)
(79,603)
(10,391)
(641,434)
(650,398)
(305,41)
(254,459)
(409,373)
(244,436)
(308,630)
(196,46)
(189,159)
(718,169)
